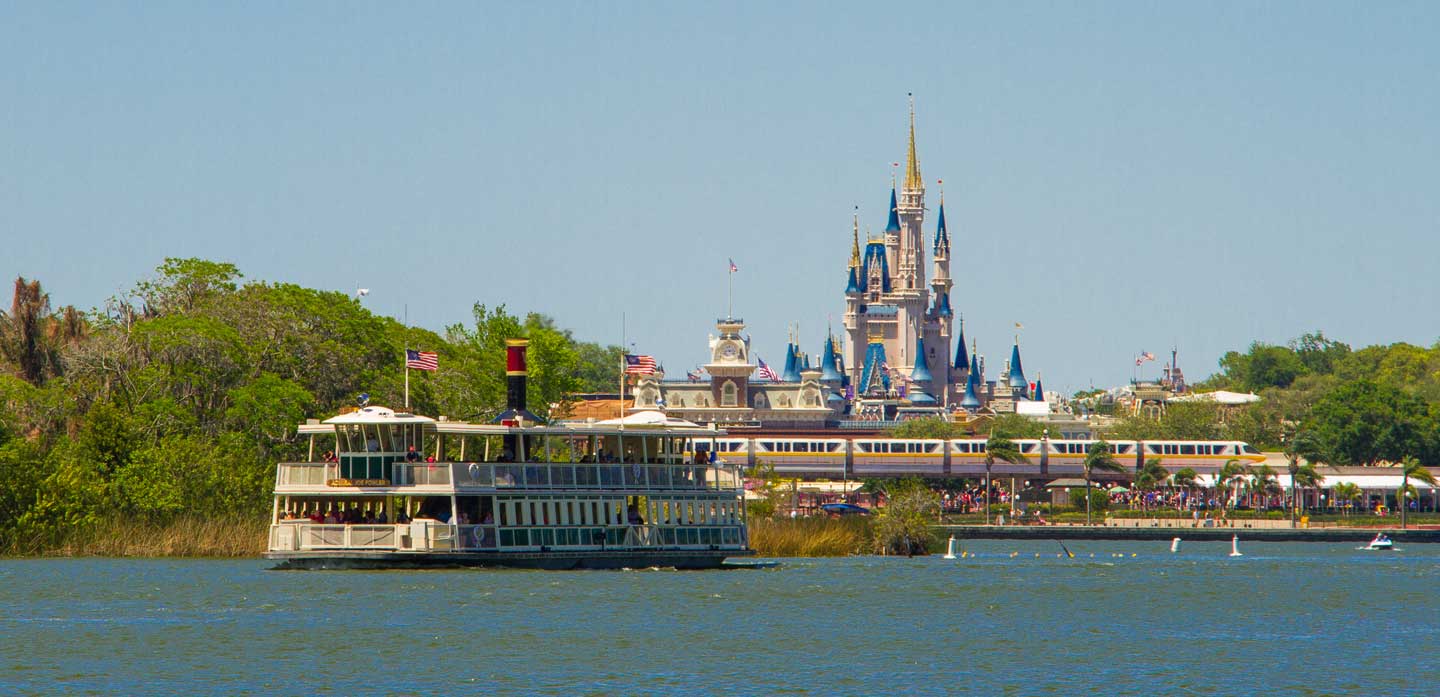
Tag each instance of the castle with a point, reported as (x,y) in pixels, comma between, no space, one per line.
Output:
(894,360)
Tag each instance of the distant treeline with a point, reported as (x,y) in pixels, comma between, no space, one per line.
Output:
(1331,403)
(176,398)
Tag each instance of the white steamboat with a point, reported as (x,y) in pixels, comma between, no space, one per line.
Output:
(402,490)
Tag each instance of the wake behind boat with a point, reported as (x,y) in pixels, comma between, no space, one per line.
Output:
(1381,543)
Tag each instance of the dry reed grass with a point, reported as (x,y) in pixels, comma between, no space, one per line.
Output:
(810,537)
(184,537)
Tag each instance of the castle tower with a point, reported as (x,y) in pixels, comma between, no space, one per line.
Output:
(889,297)
(730,366)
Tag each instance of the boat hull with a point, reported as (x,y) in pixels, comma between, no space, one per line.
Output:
(556,561)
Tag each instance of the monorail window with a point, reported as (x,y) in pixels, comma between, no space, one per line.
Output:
(1027,447)
(802,447)
(1187,450)
(1250,449)
(1127,449)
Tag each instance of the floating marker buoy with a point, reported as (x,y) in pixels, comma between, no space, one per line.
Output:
(950,549)
(1235,546)
(1175,545)
(1132,555)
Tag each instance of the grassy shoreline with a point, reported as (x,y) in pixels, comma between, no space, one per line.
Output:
(243,537)
(187,537)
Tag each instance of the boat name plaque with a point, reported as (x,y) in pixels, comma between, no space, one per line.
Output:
(357,482)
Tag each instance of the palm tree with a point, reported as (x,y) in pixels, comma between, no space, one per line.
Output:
(1229,477)
(1150,476)
(1410,468)
(1303,477)
(1346,491)
(1185,479)
(1295,442)
(1262,482)
(1098,459)
(1000,448)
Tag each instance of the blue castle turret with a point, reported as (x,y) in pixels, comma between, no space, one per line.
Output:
(942,235)
(1018,384)
(829,368)
(962,363)
(920,376)
(791,373)
(971,401)
(893,225)
(875,377)
(1039,389)
(876,266)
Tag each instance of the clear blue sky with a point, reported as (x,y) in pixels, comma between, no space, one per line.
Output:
(1119,176)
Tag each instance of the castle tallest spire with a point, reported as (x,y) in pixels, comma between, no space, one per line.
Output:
(912,162)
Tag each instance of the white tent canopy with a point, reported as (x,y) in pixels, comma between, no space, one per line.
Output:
(650,419)
(1222,397)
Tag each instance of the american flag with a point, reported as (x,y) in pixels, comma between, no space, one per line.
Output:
(733,267)
(766,372)
(1147,356)
(639,365)
(422,360)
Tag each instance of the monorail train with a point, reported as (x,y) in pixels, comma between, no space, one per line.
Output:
(869,457)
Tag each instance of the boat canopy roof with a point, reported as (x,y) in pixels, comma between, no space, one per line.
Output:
(379,415)
(650,423)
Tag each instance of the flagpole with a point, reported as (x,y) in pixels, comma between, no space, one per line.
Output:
(730,306)
(407,383)
(623,351)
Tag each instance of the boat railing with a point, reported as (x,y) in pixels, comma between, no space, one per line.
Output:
(316,536)
(536,475)
(423,474)
(434,536)
(306,473)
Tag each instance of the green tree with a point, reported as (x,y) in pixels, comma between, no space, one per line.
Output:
(1186,479)
(1262,483)
(932,427)
(1363,423)
(1228,480)
(1002,449)
(1098,459)
(1151,475)
(1410,468)
(1014,426)
(906,524)
(1348,492)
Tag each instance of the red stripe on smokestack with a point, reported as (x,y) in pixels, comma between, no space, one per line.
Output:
(515,356)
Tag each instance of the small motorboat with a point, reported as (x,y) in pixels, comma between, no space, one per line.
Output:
(844,509)
(1381,543)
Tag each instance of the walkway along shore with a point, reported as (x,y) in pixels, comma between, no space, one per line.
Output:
(1101,532)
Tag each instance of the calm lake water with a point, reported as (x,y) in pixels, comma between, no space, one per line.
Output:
(1287,617)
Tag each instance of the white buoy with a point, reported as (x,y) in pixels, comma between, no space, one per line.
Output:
(1175,545)
(950,550)
(1235,546)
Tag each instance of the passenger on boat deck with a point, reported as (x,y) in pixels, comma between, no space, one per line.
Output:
(411,455)
(506,457)
(372,445)
(333,517)
(380,518)
(632,515)
(369,518)
(330,456)
(430,458)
